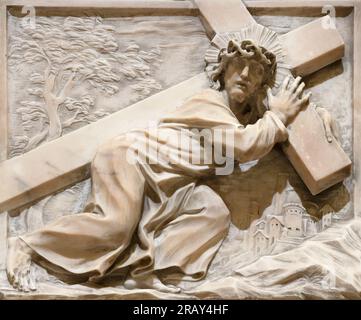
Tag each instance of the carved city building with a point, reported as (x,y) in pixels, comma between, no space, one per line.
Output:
(286,219)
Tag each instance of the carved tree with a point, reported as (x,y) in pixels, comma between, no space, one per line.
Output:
(75,51)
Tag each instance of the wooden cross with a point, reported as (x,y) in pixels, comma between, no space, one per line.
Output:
(65,161)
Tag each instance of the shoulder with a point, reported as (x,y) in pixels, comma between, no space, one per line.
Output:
(206,98)
(210,95)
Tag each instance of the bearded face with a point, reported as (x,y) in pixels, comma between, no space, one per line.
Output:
(242,78)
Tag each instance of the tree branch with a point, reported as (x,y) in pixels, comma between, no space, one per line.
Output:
(65,91)
(49,82)
(72,120)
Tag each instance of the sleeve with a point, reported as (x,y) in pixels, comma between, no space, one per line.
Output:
(253,141)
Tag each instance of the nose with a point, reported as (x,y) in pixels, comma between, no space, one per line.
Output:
(245,72)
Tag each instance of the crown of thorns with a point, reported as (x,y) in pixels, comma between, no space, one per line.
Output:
(245,49)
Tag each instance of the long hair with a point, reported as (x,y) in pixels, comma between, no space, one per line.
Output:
(246,49)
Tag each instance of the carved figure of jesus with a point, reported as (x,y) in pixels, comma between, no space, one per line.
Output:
(149,219)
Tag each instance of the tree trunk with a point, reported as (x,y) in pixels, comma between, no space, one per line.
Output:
(52,103)
(55,128)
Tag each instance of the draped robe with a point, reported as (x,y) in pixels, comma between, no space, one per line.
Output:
(148,212)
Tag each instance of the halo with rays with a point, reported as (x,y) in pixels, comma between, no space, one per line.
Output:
(259,35)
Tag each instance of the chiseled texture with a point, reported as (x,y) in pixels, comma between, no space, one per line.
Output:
(154,215)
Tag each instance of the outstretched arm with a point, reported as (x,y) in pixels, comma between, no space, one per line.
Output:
(255,141)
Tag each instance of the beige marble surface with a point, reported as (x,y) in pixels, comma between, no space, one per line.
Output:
(233,274)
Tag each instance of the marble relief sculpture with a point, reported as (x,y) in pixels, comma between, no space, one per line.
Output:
(150,221)
(189,154)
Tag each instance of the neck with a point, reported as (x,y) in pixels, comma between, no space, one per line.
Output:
(240,110)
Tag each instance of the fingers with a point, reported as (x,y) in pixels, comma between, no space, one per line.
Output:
(285,83)
(295,84)
(299,90)
(306,99)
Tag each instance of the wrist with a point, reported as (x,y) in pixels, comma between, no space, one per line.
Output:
(280,116)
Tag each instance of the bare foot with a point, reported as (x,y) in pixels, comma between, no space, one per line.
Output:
(150,282)
(18,268)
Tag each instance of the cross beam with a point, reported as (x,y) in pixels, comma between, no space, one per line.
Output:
(62,162)
(306,49)
(65,161)
(223,16)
